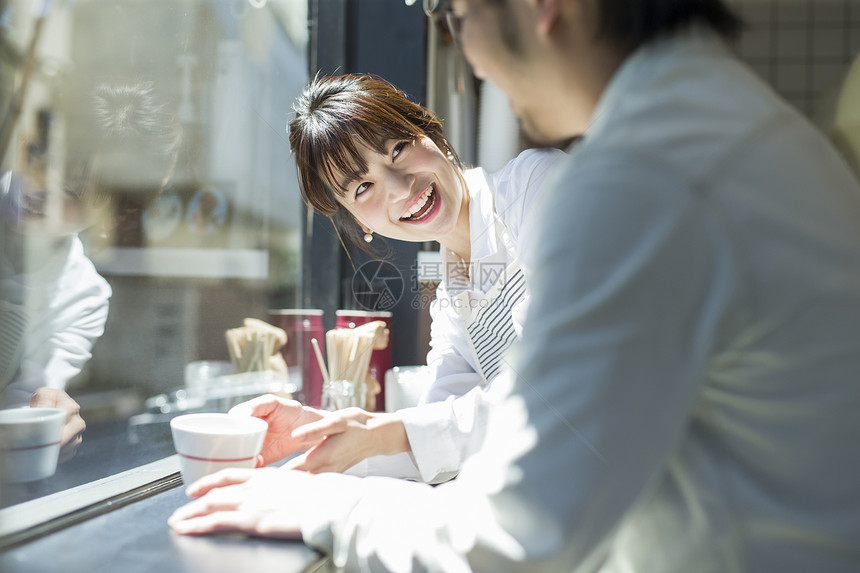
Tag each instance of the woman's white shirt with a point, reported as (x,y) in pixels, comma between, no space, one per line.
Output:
(448,424)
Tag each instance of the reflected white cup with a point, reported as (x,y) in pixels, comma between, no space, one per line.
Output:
(30,443)
(207,443)
(404,386)
(202,373)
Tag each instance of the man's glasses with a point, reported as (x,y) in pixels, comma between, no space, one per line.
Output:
(442,12)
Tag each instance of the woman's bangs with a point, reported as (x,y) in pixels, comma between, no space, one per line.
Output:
(343,164)
(341,154)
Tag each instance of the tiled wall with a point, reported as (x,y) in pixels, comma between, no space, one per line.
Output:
(801,47)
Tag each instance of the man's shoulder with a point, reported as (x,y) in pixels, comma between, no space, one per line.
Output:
(525,175)
(528,160)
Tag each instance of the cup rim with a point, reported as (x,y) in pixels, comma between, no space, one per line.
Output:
(408,367)
(27,415)
(254,424)
(296,311)
(364,313)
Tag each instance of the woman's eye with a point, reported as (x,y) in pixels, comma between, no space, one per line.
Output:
(362,188)
(398,148)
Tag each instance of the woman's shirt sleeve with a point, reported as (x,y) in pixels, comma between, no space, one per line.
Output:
(61,341)
(435,428)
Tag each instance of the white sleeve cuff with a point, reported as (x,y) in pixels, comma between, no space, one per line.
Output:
(400,465)
(339,496)
(431,429)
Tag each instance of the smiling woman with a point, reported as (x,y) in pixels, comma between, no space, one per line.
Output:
(346,124)
(379,163)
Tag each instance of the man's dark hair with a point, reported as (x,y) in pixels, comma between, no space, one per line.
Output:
(632,23)
(629,24)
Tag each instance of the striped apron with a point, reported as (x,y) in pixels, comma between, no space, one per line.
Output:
(488,321)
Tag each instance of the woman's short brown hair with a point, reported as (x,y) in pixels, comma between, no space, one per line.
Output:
(334,117)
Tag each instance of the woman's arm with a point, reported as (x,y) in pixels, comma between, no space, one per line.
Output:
(344,438)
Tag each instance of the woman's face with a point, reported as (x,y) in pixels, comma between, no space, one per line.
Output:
(48,213)
(410,193)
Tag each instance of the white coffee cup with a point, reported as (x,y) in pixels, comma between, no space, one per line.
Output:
(30,443)
(207,443)
(404,386)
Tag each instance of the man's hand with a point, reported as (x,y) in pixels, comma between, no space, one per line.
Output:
(263,502)
(74,426)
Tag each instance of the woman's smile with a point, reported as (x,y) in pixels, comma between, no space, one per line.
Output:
(424,208)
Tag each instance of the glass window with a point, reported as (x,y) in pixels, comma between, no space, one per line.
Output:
(149,204)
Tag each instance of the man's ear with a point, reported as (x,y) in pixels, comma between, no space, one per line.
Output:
(549,12)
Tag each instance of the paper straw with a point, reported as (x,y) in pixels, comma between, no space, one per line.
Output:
(353,350)
(331,348)
(319,356)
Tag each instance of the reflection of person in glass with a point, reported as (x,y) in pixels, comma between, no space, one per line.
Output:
(53,303)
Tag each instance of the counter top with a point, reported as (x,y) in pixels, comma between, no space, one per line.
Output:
(136,538)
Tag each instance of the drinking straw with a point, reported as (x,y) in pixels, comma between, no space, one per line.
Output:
(331,347)
(319,356)
(353,349)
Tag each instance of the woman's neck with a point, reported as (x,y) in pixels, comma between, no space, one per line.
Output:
(459,241)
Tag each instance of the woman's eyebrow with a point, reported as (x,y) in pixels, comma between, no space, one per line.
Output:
(355,175)
(352,176)
(349,179)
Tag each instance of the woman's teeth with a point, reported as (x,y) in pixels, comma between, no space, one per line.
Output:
(423,206)
(420,203)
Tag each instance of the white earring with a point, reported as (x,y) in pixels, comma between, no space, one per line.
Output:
(368,237)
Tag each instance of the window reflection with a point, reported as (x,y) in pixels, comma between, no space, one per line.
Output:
(149,204)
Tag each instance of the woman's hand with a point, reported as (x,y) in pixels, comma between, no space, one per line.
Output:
(258,502)
(343,438)
(74,427)
(283,416)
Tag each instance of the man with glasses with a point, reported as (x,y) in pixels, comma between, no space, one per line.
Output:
(685,394)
